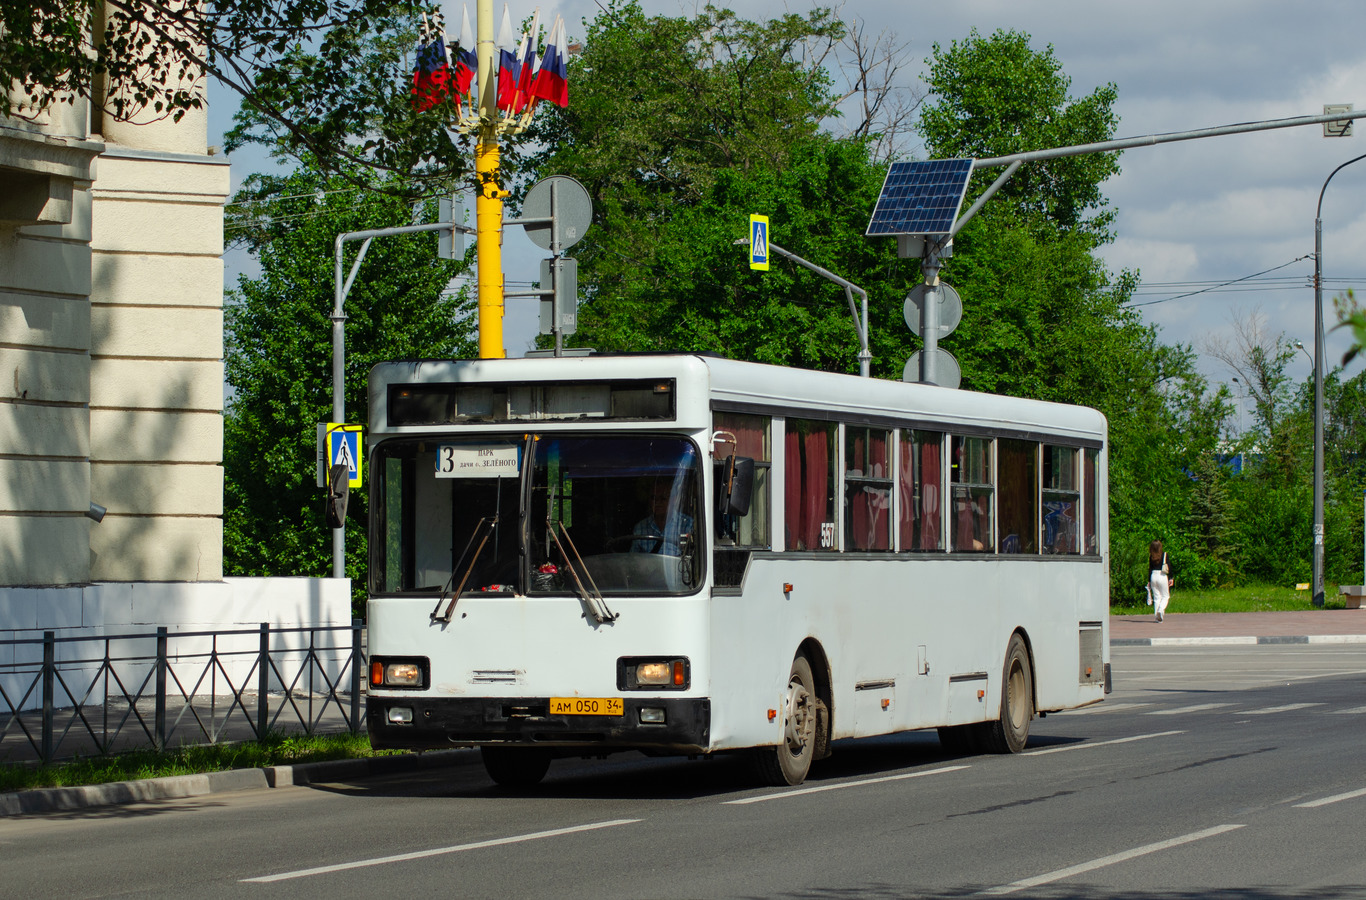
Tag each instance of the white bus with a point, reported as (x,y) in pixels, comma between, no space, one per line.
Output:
(679,554)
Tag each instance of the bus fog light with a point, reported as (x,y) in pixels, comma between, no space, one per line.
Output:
(651,716)
(400,715)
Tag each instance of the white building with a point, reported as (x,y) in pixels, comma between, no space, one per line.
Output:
(111,381)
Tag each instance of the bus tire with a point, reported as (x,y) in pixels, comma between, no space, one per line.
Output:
(788,763)
(516,767)
(1010,732)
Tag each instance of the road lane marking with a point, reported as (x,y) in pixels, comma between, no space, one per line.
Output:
(1086,746)
(843,784)
(1350,795)
(1199,707)
(422,854)
(1354,711)
(1337,638)
(1104,708)
(1268,710)
(1059,874)
(1204,641)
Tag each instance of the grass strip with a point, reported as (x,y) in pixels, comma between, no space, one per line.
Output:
(1244,598)
(274,750)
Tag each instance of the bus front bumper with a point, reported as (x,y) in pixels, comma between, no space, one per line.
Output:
(417,723)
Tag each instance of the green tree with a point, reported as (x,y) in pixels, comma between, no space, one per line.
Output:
(324,79)
(278,354)
(680,128)
(1043,317)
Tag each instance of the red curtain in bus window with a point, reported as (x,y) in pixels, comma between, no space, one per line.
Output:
(750,433)
(929,495)
(816,493)
(906,526)
(792,489)
(870,506)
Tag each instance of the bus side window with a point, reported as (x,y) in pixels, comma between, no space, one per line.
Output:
(752,442)
(972,482)
(922,489)
(810,453)
(867,488)
(1061,500)
(1018,498)
(1091,502)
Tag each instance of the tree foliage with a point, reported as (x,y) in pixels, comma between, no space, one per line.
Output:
(324,79)
(279,350)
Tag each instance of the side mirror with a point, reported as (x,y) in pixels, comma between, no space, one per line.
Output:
(338,493)
(735,485)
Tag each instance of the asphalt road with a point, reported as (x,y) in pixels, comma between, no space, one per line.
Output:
(1226,772)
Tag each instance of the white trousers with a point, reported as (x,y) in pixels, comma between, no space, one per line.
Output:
(1159,590)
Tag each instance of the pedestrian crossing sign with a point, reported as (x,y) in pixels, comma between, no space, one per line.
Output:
(344,448)
(758,242)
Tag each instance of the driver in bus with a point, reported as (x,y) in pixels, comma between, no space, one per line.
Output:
(665,527)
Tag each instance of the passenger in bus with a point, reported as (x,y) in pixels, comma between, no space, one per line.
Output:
(665,528)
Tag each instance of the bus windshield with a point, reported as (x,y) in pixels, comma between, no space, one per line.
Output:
(608,514)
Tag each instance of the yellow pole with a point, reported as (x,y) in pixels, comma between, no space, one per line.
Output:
(488,205)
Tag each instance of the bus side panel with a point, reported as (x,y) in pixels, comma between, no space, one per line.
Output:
(872,617)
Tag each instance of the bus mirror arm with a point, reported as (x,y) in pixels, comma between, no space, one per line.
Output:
(486,525)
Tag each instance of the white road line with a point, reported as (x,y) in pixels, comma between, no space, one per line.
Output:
(1337,638)
(421,854)
(1268,710)
(1104,708)
(1203,641)
(1199,707)
(1087,746)
(843,784)
(1350,795)
(1060,874)
(1354,711)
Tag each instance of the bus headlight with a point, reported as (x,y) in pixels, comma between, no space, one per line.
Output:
(398,673)
(653,673)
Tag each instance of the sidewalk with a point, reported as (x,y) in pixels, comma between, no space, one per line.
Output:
(1324,626)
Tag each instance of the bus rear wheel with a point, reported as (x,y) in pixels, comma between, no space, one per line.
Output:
(1010,732)
(788,763)
(516,767)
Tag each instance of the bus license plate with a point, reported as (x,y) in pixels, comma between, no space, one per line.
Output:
(586,706)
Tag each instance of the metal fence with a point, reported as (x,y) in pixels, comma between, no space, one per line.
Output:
(83,696)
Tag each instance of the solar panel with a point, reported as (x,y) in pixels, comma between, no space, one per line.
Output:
(921,197)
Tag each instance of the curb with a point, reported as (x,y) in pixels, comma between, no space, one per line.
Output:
(1239,641)
(179,787)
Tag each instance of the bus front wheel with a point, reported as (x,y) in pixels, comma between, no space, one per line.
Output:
(789,762)
(516,767)
(1009,733)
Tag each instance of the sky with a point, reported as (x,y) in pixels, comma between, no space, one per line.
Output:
(1190,215)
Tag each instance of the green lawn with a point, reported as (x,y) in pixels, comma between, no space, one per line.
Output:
(1249,598)
(276,750)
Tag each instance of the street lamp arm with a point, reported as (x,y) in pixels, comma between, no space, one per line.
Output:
(1319,209)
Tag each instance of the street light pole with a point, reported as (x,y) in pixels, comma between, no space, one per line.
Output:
(1318,385)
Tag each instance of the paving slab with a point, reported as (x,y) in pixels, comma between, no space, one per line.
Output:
(1298,627)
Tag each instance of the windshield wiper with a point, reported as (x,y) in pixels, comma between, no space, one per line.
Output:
(484,526)
(592,600)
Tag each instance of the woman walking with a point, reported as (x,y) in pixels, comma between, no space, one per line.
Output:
(1159,580)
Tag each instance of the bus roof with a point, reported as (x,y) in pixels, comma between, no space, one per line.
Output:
(738,384)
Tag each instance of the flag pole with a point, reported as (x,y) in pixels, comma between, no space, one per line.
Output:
(488,204)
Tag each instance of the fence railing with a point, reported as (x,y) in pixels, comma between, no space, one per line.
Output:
(96,695)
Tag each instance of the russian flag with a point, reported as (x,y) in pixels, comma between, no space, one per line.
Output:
(432,76)
(509,68)
(466,62)
(552,81)
(527,74)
